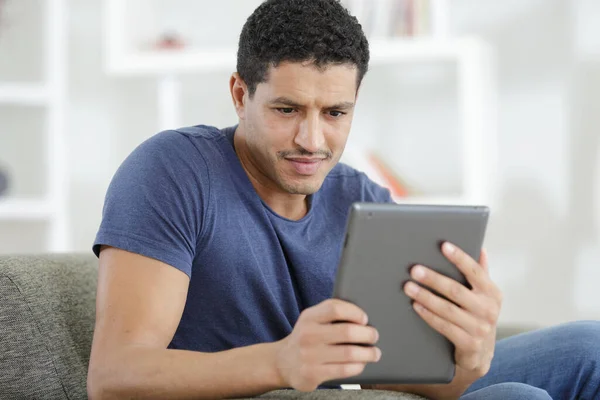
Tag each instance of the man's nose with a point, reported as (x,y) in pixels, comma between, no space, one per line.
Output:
(310,135)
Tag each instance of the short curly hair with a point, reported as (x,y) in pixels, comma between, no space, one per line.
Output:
(318,31)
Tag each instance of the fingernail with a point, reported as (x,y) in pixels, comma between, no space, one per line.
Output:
(376,335)
(418,272)
(449,248)
(378,353)
(418,307)
(411,289)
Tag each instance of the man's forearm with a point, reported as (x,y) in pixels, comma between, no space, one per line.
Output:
(147,373)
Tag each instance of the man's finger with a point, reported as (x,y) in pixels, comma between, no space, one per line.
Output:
(335,310)
(348,333)
(330,372)
(336,354)
(449,311)
(483,260)
(475,274)
(459,337)
(448,288)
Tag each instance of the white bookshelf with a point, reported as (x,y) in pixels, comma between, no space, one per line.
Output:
(26,210)
(50,94)
(475,77)
(447,200)
(166,62)
(27,94)
(158,63)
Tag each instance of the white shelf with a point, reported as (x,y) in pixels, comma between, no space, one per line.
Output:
(442,200)
(421,49)
(23,94)
(25,209)
(166,62)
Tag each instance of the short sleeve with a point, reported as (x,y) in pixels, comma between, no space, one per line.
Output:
(156,201)
(373,192)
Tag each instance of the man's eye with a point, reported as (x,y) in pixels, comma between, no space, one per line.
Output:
(336,114)
(286,110)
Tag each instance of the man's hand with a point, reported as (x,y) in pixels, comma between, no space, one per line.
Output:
(470,323)
(326,345)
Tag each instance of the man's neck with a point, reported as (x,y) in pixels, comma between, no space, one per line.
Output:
(293,207)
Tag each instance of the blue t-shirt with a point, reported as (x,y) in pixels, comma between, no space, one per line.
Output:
(183,197)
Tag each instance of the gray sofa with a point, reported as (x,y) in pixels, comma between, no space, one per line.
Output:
(47,306)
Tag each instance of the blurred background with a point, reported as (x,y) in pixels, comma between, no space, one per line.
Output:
(467,101)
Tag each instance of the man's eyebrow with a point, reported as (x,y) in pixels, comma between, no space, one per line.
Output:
(345,105)
(285,101)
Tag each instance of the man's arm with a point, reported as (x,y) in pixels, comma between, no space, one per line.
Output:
(138,308)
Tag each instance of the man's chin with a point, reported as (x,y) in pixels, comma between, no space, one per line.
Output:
(304,188)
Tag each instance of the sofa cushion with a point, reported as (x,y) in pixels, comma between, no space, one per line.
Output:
(24,359)
(46,325)
(333,394)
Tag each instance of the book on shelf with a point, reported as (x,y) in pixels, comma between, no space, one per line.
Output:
(392,18)
(380,19)
(391,180)
(379,171)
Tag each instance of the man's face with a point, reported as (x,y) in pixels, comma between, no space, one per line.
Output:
(297,124)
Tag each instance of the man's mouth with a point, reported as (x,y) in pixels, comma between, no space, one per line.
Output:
(306,165)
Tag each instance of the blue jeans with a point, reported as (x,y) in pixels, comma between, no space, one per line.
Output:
(561,362)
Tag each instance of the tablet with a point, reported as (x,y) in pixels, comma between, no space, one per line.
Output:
(382,243)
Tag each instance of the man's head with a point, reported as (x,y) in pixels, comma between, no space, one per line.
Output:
(300,63)
(320,31)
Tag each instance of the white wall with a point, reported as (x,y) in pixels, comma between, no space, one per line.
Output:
(543,242)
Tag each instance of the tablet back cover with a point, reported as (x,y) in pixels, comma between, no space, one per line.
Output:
(383,241)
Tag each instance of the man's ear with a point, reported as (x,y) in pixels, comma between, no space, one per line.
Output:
(239,94)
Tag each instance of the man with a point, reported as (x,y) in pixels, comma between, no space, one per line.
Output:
(218,248)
